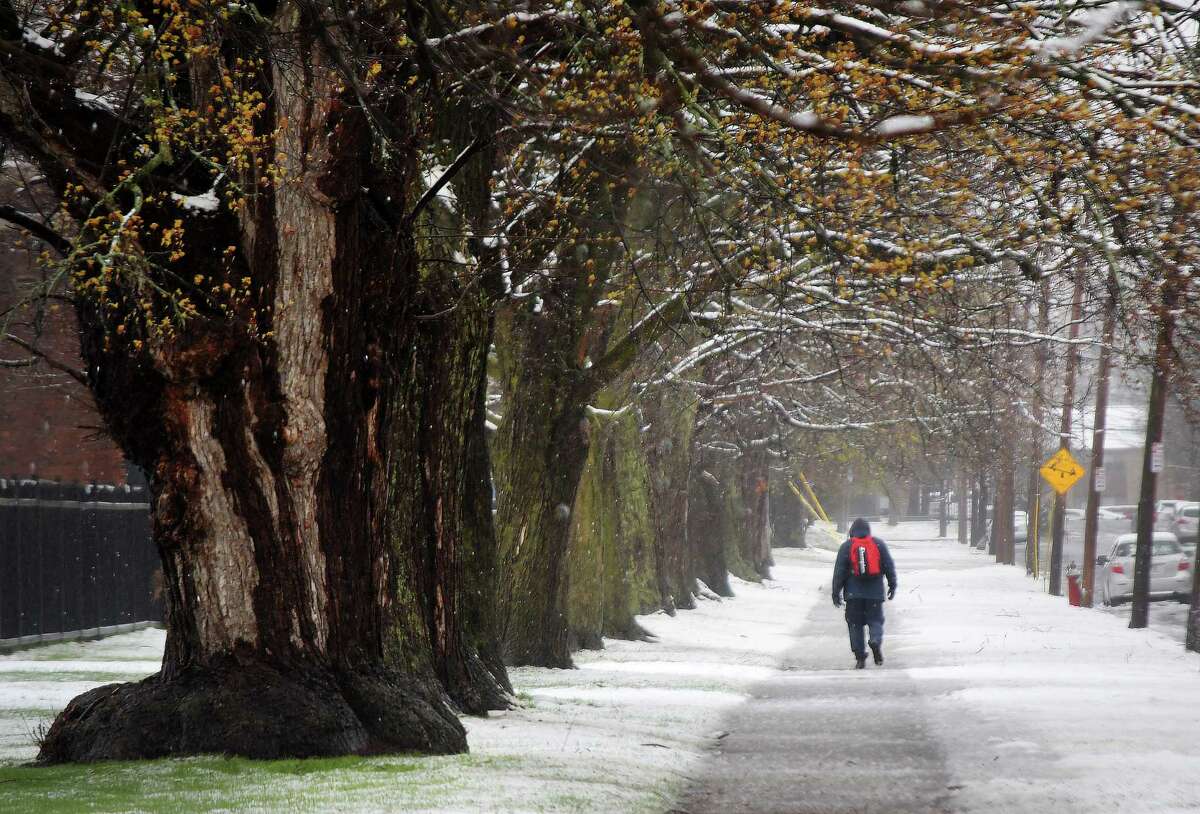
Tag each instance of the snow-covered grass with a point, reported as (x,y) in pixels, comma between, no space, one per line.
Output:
(621,733)
(1034,705)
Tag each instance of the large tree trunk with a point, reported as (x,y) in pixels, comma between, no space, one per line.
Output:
(292,626)
(712,529)
(552,365)
(756,510)
(539,453)
(440,502)
(1140,614)
(1091,527)
(671,415)
(612,575)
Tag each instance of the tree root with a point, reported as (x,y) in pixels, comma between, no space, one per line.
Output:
(256,710)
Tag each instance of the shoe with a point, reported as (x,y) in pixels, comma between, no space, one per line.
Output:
(877,651)
(860,662)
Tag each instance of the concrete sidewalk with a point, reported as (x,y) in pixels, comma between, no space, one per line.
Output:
(825,738)
(993,697)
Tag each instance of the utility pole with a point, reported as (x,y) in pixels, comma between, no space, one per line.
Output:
(1059,517)
(1033,489)
(1152,462)
(1099,422)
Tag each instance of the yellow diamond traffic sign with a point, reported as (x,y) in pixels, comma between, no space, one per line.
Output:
(1061,471)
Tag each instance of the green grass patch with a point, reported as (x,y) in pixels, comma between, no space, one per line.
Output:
(223,784)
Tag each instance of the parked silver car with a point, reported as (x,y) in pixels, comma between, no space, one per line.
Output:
(1164,514)
(1186,522)
(1170,569)
(1020,526)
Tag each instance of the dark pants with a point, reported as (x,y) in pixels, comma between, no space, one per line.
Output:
(861,612)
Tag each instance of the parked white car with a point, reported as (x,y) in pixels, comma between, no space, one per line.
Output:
(1186,523)
(1164,513)
(1020,526)
(1170,569)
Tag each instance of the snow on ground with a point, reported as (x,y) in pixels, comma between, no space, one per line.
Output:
(1039,705)
(618,734)
(1035,706)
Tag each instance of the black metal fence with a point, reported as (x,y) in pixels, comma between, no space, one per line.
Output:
(75,559)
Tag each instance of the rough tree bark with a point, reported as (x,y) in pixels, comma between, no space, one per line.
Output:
(712,528)
(555,357)
(755,539)
(299,612)
(539,454)
(1099,419)
(1139,616)
(670,412)
(441,498)
(612,575)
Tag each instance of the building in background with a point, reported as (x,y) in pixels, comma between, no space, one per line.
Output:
(49,428)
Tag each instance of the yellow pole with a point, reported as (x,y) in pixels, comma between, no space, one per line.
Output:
(804,502)
(808,488)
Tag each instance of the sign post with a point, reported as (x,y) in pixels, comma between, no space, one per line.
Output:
(1062,472)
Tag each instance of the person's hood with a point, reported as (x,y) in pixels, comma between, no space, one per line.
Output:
(860,528)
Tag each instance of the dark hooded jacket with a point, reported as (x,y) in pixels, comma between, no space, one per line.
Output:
(862,587)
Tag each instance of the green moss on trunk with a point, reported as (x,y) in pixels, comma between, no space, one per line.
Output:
(671,416)
(611,561)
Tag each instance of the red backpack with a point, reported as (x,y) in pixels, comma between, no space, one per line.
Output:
(864,557)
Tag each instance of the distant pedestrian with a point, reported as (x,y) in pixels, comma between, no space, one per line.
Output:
(862,564)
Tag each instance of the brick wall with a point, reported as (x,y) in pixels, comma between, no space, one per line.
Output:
(49,427)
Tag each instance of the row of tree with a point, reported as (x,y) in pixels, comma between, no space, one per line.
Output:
(453,337)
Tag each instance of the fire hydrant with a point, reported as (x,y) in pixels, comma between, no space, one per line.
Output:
(1074,596)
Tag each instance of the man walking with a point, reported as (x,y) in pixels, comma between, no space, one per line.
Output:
(862,563)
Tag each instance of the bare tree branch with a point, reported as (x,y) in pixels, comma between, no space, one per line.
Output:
(36,228)
(61,367)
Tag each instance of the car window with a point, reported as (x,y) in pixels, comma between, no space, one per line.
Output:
(1124,550)
(1164,548)
(1191,511)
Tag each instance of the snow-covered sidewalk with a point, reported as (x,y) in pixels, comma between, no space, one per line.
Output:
(994,697)
(1025,704)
